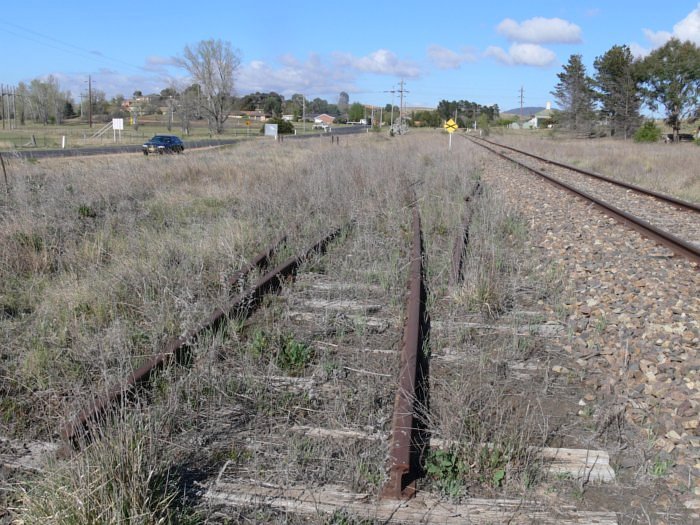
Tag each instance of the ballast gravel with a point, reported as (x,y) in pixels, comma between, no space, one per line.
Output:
(632,312)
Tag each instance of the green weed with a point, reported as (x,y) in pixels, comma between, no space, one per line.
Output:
(448,469)
(293,355)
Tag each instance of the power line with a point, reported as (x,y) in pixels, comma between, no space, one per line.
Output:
(73,49)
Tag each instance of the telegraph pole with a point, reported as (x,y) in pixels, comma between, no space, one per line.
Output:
(2,97)
(401,108)
(401,92)
(90,100)
(521,102)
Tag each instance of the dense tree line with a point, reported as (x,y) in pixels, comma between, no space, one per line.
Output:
(669,77)
(464,112)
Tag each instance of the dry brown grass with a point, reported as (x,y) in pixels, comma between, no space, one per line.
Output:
(668,168)
(111,256)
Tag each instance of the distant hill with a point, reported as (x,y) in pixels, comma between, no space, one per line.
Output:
(529,110)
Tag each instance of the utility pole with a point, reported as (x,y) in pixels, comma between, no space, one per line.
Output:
(303,111)
(401,108)
(90,100)
(521,102)
(401,92)
(2,96)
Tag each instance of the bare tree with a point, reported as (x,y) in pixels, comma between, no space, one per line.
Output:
(213,64)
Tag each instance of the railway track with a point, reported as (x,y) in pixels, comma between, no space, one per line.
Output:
(349,429)
(349,396)
(665,219)
(318,432)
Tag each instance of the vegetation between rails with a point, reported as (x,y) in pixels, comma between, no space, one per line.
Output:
(137,260)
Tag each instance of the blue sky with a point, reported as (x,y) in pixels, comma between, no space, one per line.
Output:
(478,51)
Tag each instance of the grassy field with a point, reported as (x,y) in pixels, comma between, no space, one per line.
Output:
(106,258)
(78,134)
(668,168)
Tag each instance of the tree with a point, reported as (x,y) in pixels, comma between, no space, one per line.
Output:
(273,104)
(671,77)
(46,100)
(213,64)
(168,93)
(189,106)
(318,105)
(356,112)
(68,109)
(617,86)
(575,96)
(343,102)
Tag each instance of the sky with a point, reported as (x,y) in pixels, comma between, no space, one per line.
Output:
(484,52)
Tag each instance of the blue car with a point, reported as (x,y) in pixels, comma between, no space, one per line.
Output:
(163,144)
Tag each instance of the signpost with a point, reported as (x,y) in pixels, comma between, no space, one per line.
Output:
(271,130)
(117,125)
(451,126)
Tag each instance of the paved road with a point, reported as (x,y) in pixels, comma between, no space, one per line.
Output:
(136,148)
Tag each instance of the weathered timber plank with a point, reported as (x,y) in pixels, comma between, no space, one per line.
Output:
(424,508)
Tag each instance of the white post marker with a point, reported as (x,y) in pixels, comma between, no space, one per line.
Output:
(117,125)
(451,126)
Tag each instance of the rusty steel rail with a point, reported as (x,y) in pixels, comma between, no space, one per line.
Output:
(660,196)
(178,349)
(674,243)
(462,240)
(402,468)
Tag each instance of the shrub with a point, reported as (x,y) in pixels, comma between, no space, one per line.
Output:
(648,133)
(284,127)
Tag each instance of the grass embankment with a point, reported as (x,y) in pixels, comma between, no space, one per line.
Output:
(667,168)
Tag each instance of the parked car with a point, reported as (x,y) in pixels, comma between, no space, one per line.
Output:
(163,144)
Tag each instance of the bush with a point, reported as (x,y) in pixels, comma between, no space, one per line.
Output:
(284,127)
(648,133)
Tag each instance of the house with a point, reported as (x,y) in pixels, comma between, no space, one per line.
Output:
(324,118)
(250,115)
(541,119)
(323,121)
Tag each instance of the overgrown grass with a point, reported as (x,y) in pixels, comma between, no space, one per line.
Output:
(125,476)
(110,257)
(660,167)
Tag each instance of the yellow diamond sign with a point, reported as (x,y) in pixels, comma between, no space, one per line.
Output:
(451,126)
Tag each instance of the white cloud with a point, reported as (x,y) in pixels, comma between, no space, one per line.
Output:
(380,62)
(522,55)
(657,38)
(540,30)
(158,63)
(686,29)
(444,58)
(294,76)
(689,27)
(112,82)
(638,51)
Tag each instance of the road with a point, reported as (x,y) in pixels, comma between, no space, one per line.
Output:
(136,148)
